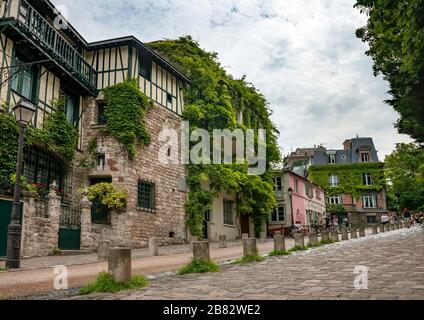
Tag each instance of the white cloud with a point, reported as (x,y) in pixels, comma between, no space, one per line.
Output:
(303,55)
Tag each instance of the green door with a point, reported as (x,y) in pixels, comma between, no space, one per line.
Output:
(69,239)
(5,212)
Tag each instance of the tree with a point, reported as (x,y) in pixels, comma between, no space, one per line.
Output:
(405,173)
(395,33)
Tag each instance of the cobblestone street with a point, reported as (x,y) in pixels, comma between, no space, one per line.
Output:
(395,262)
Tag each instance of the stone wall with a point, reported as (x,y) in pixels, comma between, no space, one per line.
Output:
(135,226)
(40,230)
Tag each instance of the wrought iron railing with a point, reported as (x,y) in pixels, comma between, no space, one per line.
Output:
(58,47)
(70,216)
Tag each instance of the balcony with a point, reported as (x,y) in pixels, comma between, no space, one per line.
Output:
(23,20)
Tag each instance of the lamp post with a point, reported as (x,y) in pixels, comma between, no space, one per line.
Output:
(24,110)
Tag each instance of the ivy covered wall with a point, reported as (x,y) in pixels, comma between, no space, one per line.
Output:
(350,178)
(214,100)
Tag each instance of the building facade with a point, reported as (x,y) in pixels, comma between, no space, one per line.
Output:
(298,201)
(353,178)
(41,62)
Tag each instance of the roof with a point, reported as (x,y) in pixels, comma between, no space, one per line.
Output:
(133,40)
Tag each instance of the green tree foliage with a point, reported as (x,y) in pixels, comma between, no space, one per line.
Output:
(125,112)
(405,171)
(214,100)
(395,33)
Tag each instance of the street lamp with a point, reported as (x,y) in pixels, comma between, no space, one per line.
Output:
(24,110)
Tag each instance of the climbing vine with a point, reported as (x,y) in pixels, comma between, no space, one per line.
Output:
(214,101)
(126,107)
(350,178)
(57,136)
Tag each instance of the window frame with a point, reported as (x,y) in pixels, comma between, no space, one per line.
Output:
(332,159)
(278,183)
(334,197)
(151,206)
(369,201)
(368,157)
(367,179)
(226,212)
(333,180)
(277,214)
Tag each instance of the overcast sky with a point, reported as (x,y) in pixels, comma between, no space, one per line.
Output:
(302,54)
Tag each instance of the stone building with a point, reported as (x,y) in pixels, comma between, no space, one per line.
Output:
(353,178)
(43,61)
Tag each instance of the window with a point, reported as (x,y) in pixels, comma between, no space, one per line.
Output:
(296,186)
(279,183)
(279,214)
(333,180)
(371,219)
(309,190)
(72,110)
(169,98)
(145,66)
(318,195)
(101,117)
(101,162)
(336,199)
(332,159)
(370,201)
(365,157)
(24,80)
(367,179)
(146,195)
(208,216)
(228,212)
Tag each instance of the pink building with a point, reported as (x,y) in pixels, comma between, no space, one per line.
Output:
(298,200)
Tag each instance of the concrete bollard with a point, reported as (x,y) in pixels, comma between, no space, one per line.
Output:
(325,236)
(392,226)
(201,250)
(381,226)
(264,236)
(313,239)
(353,233)
(397,226)
(249,247)
(244,236)
(103,250)
(335,235)
(361,232)
(374,230)
(154,247)
(345,235)
(279,242)
(119,264)
(222,241)
(299,240)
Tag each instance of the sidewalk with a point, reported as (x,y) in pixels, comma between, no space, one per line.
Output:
(37,275)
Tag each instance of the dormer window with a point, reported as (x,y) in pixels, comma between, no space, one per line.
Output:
(365,157)
(332,159)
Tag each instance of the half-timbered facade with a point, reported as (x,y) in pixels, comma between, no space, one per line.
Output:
(43,58)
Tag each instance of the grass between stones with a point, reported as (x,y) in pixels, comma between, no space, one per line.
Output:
(199,266)
(323,242)
(274,253)
(298,248)
(105,282)
(249,258)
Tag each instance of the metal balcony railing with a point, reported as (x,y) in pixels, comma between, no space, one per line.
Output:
(47,37)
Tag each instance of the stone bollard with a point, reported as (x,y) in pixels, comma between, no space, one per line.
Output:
(335,235)
(397,226)
(353,233)
(279,242)
(264,236)
(201,250)
(325,236)
(362,232)
(103,250)
(374,230)
(119,264)
(244,236)
(345,235)
(249,247)
(222,241)
(154,247)
(299,240)
(392,226)
(313,239)
(381,226)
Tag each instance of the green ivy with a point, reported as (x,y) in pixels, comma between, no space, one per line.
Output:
(213,101)
(58,137)
(125,112)
(350,178)
(108,195)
